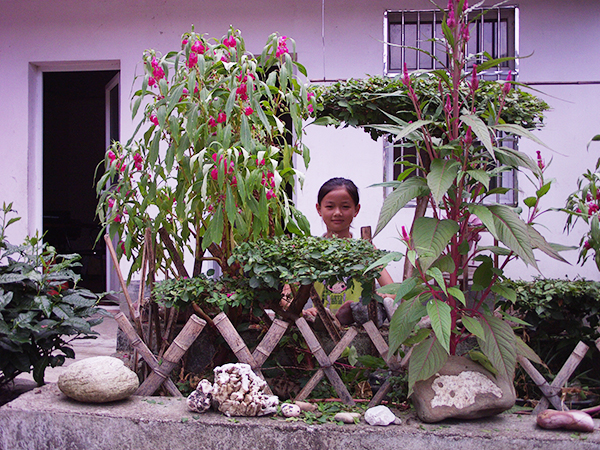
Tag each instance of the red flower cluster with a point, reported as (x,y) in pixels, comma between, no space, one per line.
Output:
(281,47)
(157,73)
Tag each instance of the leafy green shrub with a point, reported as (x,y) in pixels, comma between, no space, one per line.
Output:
(558,310)
(40,304)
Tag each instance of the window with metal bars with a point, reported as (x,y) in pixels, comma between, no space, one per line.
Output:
(415,37)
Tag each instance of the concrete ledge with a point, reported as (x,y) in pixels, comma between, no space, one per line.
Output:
(45,419)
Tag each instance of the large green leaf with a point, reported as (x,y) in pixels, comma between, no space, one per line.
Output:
(515,159)
(401,132)
(406,191)
(426,359)
(441,321)
(499,345)
(473,326)
(406,316)
(538,241)
(512,232)
(441,176)
(525,350)
(481,130)
(513,128)
(430,237)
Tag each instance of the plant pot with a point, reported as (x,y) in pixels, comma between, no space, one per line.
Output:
(462,389)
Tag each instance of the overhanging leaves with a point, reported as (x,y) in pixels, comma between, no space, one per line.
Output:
(499,345)
(426,359)
(441,176)
(430,237)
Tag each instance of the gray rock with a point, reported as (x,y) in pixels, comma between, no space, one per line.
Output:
(462,389)
(201,399)
(380,416)
(290,410)
(100,379)
(360,313)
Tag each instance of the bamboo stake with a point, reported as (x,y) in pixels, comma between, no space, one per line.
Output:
(549,392)
(333,356)
(268,343)
(175,352)
(237,345)
(164,235)
(324,362)
(564,374)
(148,356)
(113,254)
(329,326)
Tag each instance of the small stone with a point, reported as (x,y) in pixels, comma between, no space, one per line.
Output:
(379,416)
(201,399)
(346,417)
(305,406)
(100,379)
(290,410)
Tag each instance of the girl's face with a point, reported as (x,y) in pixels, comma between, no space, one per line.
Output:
(338,210)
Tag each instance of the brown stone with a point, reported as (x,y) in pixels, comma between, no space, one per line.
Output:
(462,389)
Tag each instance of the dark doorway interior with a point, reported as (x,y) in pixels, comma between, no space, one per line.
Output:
(74,143)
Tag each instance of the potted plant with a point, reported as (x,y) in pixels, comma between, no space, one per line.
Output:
(460,152)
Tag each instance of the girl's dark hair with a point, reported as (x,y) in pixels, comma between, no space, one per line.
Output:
(336,183)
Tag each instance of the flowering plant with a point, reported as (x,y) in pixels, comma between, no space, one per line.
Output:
(584,204)
(460,152)
(214,166)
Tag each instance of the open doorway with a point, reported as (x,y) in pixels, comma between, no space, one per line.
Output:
(76,125)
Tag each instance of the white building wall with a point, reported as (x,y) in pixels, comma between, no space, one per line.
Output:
(345,42)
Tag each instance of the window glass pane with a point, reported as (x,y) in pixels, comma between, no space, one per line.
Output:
(410,40)
(488,38)
(395,53)
(426,32)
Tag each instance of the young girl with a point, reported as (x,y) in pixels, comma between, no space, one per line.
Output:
(338,204)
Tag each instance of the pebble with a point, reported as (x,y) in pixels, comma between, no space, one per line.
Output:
(380,416)
(305,406)
(290,410)
(346,417)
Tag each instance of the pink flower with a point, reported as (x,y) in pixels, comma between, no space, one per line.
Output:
(210,208)
(587,245)
(154,119)
(214,174)
(231,167)
(122,245)
(310,95)
(507,85)
(224,58)
(111,202)
(261,163)
(468,138)
(588,198)
(404,234)
(592,208)
(192,60)
(540,163)
(222,117)
(118,218)
(405,77)
(138,160)
(234,181)
(248,111)
(111,155)
(310,108)
(158,73)
(270,194)
(184,42)
(474,79)
(465,32)
(211,121)
(281,47)
(241,91)
(230,42)
(451,22)
(197,47)
(151,81)
(154,62)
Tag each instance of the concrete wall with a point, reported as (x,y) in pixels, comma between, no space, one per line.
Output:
(336,39)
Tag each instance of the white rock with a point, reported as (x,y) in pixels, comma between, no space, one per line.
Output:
(238,391)
(290,410)
(201,399)
(99,379)
(346,417)
(379,416)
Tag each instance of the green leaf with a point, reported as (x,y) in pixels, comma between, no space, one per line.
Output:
(524,350)
(483,360)
(530,201)
(499,345)
(441,176)
(457,294)
(505,291)
(400,132)
(430,237)
(438,276)
(483,275)
(419,336)
(481,130)
(485,215)
(385,260)
(513,232)
(406,316)
(473,326)
(426,360)
(538,241)
(397,199)
(441,321)
(482,176)
(519,131)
